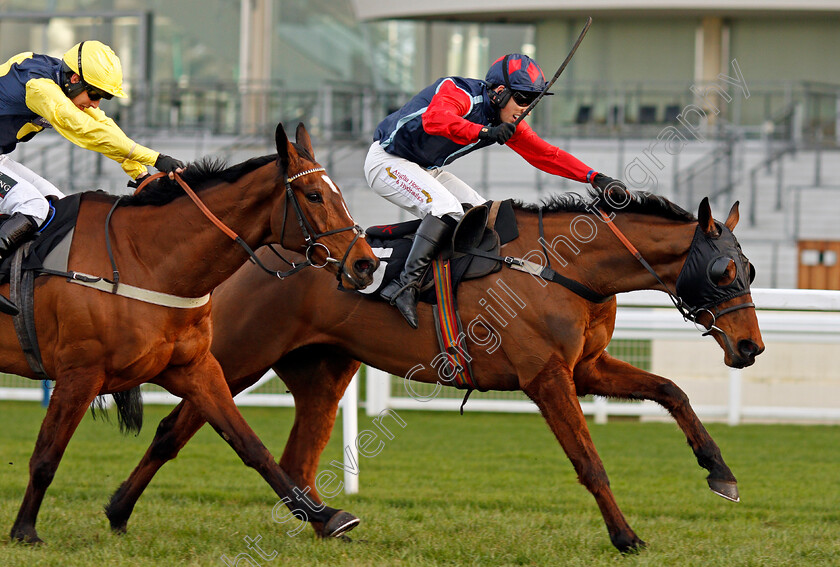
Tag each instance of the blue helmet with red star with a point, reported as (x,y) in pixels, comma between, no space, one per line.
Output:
(518,74)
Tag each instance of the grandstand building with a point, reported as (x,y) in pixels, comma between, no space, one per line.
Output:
(753,88)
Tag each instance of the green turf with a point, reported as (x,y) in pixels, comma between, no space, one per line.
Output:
(477,489)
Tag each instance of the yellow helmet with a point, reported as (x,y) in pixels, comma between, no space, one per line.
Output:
(97,65)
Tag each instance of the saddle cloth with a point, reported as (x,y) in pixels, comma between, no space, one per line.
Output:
(57,230)
(392,242)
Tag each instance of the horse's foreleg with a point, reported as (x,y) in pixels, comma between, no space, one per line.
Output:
(317,381)
(203,384)
(608,376)
(173,432)
(554,392)
(68,404)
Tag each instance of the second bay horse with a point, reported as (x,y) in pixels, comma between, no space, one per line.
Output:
(553,349)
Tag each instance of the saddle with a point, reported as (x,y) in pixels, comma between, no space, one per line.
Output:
(392,243)
(47,251)
(51,245)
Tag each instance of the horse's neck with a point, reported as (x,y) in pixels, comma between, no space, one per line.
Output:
(182,249)
(598,259)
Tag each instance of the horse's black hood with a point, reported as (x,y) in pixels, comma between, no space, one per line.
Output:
(695,284)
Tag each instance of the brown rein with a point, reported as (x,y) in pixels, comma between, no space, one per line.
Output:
(305,227)
(689,313)
(195,199)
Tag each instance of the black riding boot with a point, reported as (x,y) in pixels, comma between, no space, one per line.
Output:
(402,292)
(17,229)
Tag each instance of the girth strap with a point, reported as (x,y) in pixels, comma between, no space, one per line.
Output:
(130,291)
(22,294)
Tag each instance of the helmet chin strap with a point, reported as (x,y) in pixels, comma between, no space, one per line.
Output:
(72,90)
(81,75)
(500,99)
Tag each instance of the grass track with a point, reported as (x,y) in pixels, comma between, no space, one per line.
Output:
(478,489)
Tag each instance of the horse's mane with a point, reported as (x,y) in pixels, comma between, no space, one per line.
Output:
(641,202)
(201,174)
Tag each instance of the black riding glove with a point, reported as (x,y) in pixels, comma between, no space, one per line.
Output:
(135,183)
(602,182)
(168,164)
(500,133)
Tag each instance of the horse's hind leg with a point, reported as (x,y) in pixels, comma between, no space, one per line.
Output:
(317,380)
(70,400)
(203,383)
(608,376)
(172,434)
(553,391)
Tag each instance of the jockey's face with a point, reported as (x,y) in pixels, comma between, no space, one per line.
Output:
(511,110)
(82,101)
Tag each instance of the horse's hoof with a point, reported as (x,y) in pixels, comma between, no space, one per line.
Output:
(341,523)
(726,488)
(26,536)
(629,543)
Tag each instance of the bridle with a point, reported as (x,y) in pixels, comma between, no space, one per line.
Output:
(310,235)
(690,312)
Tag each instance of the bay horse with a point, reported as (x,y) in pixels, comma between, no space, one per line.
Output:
(96,343)
(553,349)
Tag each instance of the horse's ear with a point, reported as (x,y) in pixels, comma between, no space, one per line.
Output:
(734,216)
(704,217)
(282,142)
(302,138)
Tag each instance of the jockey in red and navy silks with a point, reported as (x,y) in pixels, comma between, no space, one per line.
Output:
(446,120)
(442,123)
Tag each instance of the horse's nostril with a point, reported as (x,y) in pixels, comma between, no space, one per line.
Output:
(748,348)
(363,267)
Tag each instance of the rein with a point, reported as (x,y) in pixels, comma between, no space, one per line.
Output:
(310,235)
(546,273)
(688,312)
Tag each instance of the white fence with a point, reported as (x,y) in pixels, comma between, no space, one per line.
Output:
(802,327)
(789,319)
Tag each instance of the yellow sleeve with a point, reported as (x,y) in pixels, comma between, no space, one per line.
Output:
(90,129)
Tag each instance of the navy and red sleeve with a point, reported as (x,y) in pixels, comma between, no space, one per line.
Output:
(548,158)
(445,115)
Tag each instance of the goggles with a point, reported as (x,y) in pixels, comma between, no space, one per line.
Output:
(95,94)
(524,98)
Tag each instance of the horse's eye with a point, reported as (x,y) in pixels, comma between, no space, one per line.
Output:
(722,271)
(314,197)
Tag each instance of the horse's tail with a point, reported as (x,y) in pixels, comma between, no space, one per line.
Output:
(129,410)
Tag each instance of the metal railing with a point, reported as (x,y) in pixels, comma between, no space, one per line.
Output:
(587,110)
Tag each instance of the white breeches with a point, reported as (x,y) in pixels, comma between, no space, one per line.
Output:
(418,190)
(24,191)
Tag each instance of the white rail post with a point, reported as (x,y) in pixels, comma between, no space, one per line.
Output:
(735,395)
(601,409)
(378,391)
(350,423)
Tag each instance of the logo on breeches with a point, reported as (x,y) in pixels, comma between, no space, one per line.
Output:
(6,184)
